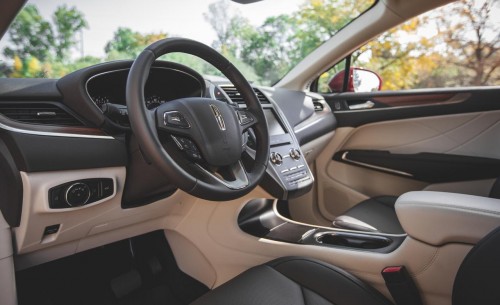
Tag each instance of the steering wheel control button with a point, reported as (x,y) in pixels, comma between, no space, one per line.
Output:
(188,147)
(80,192)
(244,117)
(294,153)
(276,158)
(175,119)
(77,194)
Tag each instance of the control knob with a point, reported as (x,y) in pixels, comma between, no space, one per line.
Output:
(276,158)
(77,194)
(294,153)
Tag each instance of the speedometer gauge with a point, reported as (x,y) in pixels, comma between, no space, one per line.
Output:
(154,101)
(100,100)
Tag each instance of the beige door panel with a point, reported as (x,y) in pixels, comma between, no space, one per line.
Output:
(341,186)
(349,185)
(470,134)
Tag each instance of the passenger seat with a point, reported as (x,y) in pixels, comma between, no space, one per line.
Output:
(378,214)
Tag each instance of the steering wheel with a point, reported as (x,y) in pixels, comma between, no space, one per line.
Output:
(208,131)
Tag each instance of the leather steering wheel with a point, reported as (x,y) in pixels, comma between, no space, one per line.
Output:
(215,128)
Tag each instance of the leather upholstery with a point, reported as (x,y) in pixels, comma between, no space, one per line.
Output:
(477,279)
(294,281)
(438,218)
(378,212)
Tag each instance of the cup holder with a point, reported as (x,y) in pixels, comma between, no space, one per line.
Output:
(352,240)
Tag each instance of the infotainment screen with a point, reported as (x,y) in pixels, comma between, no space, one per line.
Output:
(273,124)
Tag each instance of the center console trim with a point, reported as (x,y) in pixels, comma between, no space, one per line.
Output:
(261,218)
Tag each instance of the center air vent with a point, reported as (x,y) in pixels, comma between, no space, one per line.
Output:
(38,113)
(235,95)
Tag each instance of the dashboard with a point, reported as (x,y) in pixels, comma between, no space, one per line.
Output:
(96,142)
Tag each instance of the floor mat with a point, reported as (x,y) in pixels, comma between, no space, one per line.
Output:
(142,269)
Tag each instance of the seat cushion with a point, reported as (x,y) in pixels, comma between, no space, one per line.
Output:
(294,281)
(378,212)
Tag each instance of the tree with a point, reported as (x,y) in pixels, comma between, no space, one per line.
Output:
(400,56)
(37,45)
(127,44)
(218,16)
(67,22)
(271,48)
(31,35)
(281,41)
(471,41)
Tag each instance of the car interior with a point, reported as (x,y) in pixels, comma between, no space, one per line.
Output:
(144,182)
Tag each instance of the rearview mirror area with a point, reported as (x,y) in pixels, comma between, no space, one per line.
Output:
(360,80)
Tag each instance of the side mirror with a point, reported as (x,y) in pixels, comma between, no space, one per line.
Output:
(360,80)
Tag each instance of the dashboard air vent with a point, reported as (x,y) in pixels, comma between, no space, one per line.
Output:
(235,96)
(38,113)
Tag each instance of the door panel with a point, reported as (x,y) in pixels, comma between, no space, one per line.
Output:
(470,134)
(466,130)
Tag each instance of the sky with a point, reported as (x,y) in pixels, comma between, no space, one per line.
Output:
(177,18)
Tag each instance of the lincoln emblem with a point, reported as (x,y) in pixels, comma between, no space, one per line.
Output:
(218,117)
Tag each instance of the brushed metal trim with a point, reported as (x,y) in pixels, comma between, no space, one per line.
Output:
(53,134)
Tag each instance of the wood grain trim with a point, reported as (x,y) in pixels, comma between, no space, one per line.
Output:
(422,99)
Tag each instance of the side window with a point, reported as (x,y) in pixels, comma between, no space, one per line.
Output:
(327,77)
(435,50)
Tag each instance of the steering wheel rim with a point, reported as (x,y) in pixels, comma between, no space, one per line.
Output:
(145,123)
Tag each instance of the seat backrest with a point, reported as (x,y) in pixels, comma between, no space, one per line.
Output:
(478,278)
(495,189)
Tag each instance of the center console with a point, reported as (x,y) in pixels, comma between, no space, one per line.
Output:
(266,218)
(287,174)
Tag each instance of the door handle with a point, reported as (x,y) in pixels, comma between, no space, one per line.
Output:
(365,105)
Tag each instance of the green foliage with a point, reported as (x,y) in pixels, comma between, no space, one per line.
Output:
(127,44)
(67,22)
(39,48)
(463,51)
(31,35)
(281,41)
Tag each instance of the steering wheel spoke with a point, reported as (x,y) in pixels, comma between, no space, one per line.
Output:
(233,176)
(173,121)
(246,119)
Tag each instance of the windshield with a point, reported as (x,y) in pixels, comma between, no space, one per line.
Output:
(264,39)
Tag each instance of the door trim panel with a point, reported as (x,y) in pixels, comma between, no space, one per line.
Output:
(411,104)
(428,167)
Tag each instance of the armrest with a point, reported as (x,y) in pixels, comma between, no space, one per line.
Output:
(438,218)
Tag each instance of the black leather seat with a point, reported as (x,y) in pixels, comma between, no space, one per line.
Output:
(378,214)
(303,281)
(294,281)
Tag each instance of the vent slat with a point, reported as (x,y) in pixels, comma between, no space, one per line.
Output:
(36,113)
(235,95)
